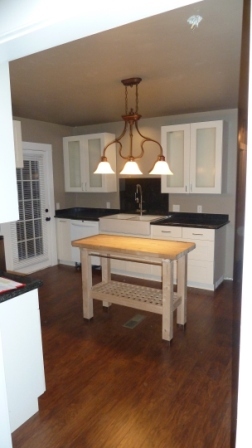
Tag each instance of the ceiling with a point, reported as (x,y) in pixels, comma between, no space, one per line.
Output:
(182,70)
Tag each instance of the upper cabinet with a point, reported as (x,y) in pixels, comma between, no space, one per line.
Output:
(194,154)
(82,153)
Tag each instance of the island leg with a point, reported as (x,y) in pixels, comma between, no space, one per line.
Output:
(167,297)
(182,290)
(106,275)
(86,270)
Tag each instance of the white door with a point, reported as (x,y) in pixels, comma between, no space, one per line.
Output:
(33,237)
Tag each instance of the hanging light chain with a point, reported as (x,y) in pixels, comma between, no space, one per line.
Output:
(136,99)
(126,100)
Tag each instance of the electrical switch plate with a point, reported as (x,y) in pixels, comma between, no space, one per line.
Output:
(108,204)
(199,208)
(176,208)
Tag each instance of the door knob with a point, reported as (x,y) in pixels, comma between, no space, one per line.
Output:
(48,219)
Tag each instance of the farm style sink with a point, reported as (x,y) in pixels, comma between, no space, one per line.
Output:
(128,223)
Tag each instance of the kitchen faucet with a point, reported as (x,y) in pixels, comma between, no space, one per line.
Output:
(139,201)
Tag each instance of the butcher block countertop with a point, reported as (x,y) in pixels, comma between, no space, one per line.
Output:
(140,247)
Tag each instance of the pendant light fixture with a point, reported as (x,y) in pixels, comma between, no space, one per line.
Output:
(131,119)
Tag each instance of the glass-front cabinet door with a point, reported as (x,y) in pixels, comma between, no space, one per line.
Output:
(206,157)
(194,154)
(175,141)
(72,164)
(93,149)
(82,154)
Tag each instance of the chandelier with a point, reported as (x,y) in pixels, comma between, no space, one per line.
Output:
(131,119)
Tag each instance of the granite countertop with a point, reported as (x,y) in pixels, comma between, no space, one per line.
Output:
(83,213)
(202,220)
(30,284)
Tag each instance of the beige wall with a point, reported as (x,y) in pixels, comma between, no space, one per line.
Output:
(42,132)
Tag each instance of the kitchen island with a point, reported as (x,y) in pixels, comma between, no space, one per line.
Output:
(140,250)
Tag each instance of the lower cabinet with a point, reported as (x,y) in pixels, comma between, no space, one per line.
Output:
(22,356)
(64,240)
(206,261)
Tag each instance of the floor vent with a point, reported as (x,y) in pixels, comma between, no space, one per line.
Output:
(132,323)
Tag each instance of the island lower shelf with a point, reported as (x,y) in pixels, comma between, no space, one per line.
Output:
(134,296)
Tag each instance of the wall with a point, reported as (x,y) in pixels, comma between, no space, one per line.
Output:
(223,203)
(41,132)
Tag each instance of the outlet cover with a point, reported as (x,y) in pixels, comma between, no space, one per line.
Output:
(176,208)
(199,208)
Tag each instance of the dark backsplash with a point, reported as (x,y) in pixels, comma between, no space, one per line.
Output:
(154,202)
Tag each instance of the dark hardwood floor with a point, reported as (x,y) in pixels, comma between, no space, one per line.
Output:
(113,387)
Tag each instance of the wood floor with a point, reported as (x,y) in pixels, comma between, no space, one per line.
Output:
(109,386)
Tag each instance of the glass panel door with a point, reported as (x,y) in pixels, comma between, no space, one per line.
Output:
(29,226)
(205,157)
(30,234)
(94,156)
(175,140)
(74,159)
(176,158)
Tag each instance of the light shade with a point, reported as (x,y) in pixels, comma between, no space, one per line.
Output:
(131,167)
(104,167)
(161,167)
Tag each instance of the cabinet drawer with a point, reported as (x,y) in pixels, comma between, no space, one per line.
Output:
(204,250)
(194,233)
(166,232)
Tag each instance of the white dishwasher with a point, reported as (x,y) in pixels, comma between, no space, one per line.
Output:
(83,229)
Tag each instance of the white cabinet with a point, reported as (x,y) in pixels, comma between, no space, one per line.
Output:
(22,356)
(82,153)
(63,240)
(206,261)
(194,153)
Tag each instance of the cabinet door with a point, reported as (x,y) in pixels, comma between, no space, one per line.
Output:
(93,149)
(206,157)
(82,153)
(63,240)
(72,152)
(175,141)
